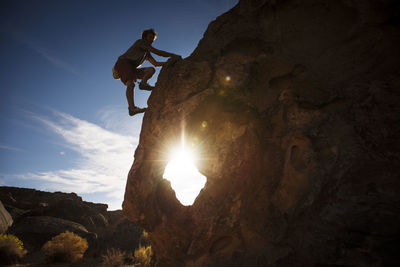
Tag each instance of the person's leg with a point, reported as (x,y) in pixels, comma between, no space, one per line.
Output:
(130,87)
(145,76)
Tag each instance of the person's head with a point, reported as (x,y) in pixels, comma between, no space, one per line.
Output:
(149,35)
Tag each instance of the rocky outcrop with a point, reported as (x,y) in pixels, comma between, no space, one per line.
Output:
(5,219)
(36,230)
(293,108)
(38,216)
(30,199)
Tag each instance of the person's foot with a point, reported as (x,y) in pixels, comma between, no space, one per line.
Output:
(135,110)
(145,86)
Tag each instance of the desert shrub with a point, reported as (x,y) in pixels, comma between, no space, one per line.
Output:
(65,247)
(11,248)
(113,258)
(143,255)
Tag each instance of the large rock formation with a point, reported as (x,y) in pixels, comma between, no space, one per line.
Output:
(22,202)
(293,108)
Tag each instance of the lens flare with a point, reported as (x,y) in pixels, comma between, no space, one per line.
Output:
(185,179)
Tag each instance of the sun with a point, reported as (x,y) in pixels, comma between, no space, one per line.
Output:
(185,179)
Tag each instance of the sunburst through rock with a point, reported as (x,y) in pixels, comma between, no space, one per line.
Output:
(185,178)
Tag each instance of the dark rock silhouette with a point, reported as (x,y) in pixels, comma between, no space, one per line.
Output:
(38,216)
(36,230)
(301,148)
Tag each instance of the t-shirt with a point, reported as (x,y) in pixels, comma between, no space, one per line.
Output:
(138,52)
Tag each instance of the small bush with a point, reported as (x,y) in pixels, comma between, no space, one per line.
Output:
(66,247)
(143,255)
(113,258)
(11,249)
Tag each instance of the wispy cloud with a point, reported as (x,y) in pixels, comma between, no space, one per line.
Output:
(42,50)
(114,119)
(106,156)
(5,147)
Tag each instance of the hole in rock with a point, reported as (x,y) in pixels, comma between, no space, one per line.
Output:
(185,178)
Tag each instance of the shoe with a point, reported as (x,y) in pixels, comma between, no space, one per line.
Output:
(145,86)
(136,110)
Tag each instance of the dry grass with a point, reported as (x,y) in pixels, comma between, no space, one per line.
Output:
(66,247)
(113,258)
(140,258)
(143,256)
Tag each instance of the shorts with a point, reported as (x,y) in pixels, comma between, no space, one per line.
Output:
(128,71)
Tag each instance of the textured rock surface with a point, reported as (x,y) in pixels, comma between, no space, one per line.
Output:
(301,147)
(5,219)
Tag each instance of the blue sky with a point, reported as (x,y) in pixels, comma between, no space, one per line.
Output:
(64,124)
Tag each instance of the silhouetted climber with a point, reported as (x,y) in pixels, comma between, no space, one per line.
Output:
(127,67)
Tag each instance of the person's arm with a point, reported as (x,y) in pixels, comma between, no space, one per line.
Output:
(160,52)
(154,62)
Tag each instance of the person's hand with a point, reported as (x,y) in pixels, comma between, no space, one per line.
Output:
(173,59)
(176,57)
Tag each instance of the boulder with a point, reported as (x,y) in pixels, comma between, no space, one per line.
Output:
(76,211)
(35,231)
(120,233)
(293,110)
(5,219)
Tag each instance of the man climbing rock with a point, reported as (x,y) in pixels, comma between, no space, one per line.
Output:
(127,67)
